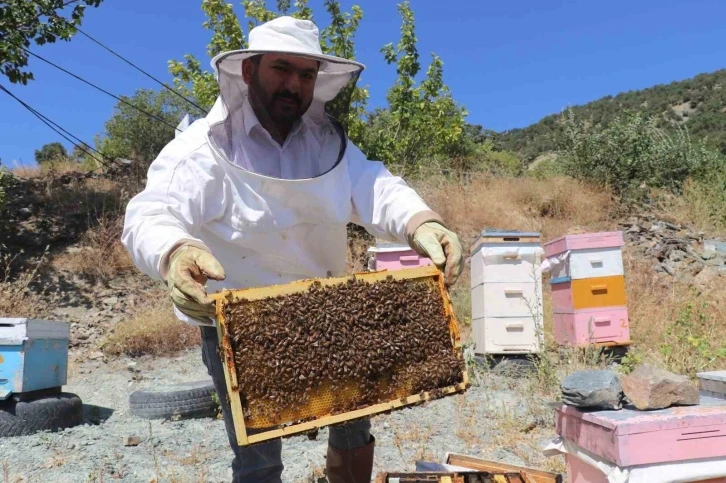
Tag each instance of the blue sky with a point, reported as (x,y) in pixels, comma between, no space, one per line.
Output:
(510,63)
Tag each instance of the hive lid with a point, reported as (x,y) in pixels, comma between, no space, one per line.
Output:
(713,376)
(15,330)
(388,246)
(499,233)
(709,411)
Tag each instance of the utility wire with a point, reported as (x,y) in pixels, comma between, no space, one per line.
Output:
(52,13)
(57,128)
(153,116)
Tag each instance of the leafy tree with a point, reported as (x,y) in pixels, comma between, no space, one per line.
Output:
(632,152)
(699,103)
(40,21)
(422,121)
(50,153)
(227,34)
(131,134)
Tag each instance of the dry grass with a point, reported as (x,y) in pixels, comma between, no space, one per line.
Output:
(101,256)
(60,167)
(700,206)
(552,206)
(152,330)
(675,325)
(412,441)
(18,296)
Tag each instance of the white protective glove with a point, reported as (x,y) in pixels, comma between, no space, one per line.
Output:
(442,246)
(189,269)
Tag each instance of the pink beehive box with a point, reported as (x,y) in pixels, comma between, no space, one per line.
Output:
(584,327)
(579,471)
(396,256)
(585,241)
(629,437)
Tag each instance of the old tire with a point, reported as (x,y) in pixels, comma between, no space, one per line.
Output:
(44,414)
(175,401)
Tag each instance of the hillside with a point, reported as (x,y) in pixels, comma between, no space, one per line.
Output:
(699,103)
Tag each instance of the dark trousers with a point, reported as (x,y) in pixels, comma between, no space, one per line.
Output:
(262,463)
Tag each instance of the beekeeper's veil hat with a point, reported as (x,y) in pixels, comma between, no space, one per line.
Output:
(336,78)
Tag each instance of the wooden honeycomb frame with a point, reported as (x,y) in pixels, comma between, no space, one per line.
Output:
(255,294)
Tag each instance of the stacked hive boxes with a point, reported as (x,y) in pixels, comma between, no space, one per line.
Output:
(683,444)
(394,256)
(588,289)
(506,293)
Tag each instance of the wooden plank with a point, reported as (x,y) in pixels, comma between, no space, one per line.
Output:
(526,478)
(357,414)
(259,293)
(494,466)
(234,400)
(613,343)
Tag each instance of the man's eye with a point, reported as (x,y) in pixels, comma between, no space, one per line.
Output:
(279,68)
(308,76)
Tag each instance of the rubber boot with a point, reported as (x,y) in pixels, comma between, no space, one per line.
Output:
(350,466)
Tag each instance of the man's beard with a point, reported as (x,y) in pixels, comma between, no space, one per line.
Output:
(283,107)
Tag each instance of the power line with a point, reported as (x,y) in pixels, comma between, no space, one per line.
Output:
(52,13)
(57,128)
(98,88)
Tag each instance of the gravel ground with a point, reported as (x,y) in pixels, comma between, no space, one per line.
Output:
(498,420)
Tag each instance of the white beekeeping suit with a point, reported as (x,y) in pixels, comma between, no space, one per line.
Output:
(269,214)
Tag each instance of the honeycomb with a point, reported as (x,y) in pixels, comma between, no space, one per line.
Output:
(337,348)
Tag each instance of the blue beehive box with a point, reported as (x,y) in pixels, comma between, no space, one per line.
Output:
(33,355)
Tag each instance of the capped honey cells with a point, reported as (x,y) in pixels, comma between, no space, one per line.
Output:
(353,344)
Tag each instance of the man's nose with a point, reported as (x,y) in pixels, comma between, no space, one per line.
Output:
(292,82)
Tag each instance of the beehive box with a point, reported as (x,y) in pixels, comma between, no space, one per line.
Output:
(395,256)
(439,477)
(313,353)
(33,355)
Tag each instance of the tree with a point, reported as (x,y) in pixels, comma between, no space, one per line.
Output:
(423,121)
(631,153)
(132,134)
(227,34)
(40,21)
(50,153)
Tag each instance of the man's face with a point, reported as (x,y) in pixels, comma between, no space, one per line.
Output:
(282,85)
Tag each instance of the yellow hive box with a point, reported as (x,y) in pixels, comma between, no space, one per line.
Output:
(589,293)
(319,408)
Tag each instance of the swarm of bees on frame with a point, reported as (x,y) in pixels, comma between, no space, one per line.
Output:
(389,338)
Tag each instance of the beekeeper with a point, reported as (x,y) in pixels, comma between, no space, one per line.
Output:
(260,192)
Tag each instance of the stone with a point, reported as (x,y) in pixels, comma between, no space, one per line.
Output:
(132,441)
(110,301)
(668,268)
(649,387)
(592,389)
(677,256)
(708,254)
(706,276)
(634,229)
(671,226)
(94,356)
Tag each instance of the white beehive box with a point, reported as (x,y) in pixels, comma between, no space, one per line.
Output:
(506,292)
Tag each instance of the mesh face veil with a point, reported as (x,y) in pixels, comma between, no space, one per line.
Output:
(327,113)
